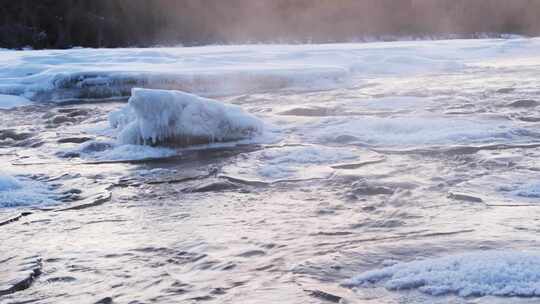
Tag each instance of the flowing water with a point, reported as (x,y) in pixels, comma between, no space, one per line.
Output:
(388,168)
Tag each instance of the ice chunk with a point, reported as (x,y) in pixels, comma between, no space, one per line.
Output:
(121,118)
(88,85)
(160,117)
(497,273)
(12,101)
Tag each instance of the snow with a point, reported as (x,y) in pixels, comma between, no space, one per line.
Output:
(497,273)
(16,192)
(169,117)
(12,101)
(57,75)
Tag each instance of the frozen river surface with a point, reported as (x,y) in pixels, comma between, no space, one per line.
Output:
(399,172)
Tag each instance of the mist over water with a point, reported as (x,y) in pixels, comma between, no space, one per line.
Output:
(241,21)
(113,23)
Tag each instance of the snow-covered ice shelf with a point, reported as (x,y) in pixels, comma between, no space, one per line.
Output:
(56,75)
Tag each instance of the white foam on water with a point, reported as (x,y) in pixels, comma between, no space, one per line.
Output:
(415,130)
(20,192)
(497,273)
(392,103)
(299,162)
(502,186)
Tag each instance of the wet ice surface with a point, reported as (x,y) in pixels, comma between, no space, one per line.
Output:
(432,165)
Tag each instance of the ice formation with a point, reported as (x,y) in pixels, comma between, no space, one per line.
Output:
(174,118)
(497,273)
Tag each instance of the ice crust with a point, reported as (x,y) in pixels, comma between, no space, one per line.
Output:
(166,117)
(496,273)
(58,75)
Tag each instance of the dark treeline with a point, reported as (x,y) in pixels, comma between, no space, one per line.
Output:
(115,23)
